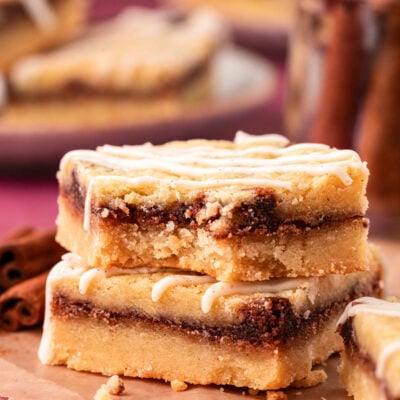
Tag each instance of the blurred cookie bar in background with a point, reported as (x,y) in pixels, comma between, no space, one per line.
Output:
(28,26)
(141,63)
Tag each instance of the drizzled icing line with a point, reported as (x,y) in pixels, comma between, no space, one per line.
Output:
(386,353)
(71,265)
(370,305)
(205,162)
(167,282)
(201,165)
(41,13)
(221,289)
(91,274)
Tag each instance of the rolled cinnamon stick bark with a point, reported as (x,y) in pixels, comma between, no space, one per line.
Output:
(379,141)
(335,116)
(22,305)
(25,253)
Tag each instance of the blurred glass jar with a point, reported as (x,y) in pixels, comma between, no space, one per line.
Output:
(378,138)
(344,86)
(327,64)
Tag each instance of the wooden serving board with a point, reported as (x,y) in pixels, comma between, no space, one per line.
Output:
(23,377)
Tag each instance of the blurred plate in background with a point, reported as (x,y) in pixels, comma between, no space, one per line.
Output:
(262,25)
(242,85)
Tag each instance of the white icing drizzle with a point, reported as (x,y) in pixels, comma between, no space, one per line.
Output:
(170,281)
(87,277)
(369,305)
(198,172)
(149,151)
(250,161)
(45,350)
(41,13)
(3,91)
(386,353)
(70,265)
(242,137)
(201,158)
(229,288)
(199,168)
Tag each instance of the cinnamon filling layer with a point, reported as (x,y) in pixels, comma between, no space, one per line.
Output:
(264,322)
(362,358)
(258,215)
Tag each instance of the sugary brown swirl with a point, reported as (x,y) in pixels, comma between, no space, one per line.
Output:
(266,322)
(256,215)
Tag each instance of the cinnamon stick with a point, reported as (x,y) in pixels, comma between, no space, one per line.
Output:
(335,117)
(379,141)
(27,252)
(23,305)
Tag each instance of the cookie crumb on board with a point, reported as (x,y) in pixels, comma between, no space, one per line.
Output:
(314,378)
(275,395)
(178,385)
(114,386)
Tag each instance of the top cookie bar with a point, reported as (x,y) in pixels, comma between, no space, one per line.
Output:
(251,209)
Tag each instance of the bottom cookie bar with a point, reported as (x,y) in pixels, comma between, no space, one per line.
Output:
(370,367)
(161,324)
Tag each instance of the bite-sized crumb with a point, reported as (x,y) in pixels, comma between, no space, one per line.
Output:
(102,393)
(178,386)
(276,395)
(253,392)
(115,385)
(314,378)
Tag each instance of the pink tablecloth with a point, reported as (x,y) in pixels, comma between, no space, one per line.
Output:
(27,202)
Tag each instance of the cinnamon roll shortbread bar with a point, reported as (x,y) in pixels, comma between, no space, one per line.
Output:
(251,209)
(165,324)
(140,65)
(28,26)
(370,367)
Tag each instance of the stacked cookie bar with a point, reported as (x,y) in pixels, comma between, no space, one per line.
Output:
(207,261)
(370,366)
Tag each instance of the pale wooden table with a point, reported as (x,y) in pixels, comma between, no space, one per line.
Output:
(22,377)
